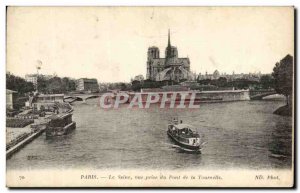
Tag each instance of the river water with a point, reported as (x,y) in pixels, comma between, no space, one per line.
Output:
(238,134)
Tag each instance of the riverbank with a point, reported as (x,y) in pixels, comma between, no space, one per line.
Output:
(18,137)
(286,110)
(26,138)
(21,131)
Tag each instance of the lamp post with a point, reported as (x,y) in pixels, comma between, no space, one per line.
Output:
(38,67)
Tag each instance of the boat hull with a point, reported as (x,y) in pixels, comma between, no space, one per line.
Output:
(186,146)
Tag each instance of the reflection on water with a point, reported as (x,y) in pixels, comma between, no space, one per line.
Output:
(239,135)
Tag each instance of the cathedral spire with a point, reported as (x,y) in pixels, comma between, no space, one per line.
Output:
(169,48)
(169,41)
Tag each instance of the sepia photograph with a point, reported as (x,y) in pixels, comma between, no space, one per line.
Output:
(150,96)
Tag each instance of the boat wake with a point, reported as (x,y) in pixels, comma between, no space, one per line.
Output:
(185,150)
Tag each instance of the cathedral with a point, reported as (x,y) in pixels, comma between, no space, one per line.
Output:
(169,68)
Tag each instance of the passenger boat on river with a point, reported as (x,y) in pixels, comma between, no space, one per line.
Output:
(60,124)
(185,136)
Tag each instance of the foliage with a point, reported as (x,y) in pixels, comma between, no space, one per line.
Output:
(243,84)
(204,82)
(267,81)
(136,85)
(55,85)
(18,84)
(221,82)
(283,76)
(104,87)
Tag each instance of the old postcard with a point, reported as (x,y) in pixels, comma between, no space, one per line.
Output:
(150,97)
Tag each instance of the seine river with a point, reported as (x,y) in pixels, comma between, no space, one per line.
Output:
(238,134)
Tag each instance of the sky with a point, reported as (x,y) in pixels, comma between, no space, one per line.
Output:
(110,43)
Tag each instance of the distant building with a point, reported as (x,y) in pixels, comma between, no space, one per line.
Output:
(10,99)
(230,77)
(139,78)
(169,68)
(86,84)
(31,78)
(168,88)
(50,98)
(216,74)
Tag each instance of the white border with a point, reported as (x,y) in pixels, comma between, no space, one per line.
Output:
(153,2)
(4,3)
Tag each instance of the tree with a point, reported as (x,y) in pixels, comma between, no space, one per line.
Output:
(65,84)
(243,83)
(283,77)
(267,81)
(18,84)
(55,85)
(68,84)
(136,85)
(41,84)
(221,82)
(123,86)
(205,82)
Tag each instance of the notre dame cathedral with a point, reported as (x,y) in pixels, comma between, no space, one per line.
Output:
(169,68)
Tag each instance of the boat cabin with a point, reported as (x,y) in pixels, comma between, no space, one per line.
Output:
(184,130)
(184,133)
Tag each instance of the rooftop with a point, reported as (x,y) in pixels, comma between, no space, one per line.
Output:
(182,126)
(50,95)
(59,116)
(10,91)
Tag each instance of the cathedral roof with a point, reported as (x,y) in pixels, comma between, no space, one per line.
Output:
(163,75)
(175,61)
(153,47)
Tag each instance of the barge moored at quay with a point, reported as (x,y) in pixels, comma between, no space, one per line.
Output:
(42,113)
(60,124)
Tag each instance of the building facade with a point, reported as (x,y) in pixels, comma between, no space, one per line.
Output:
(34,77)
(31,78)
(169,68)
(86,84)
(230,77)
(139,78)
(10,99)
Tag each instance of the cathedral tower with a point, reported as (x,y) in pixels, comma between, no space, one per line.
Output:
(153,52)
